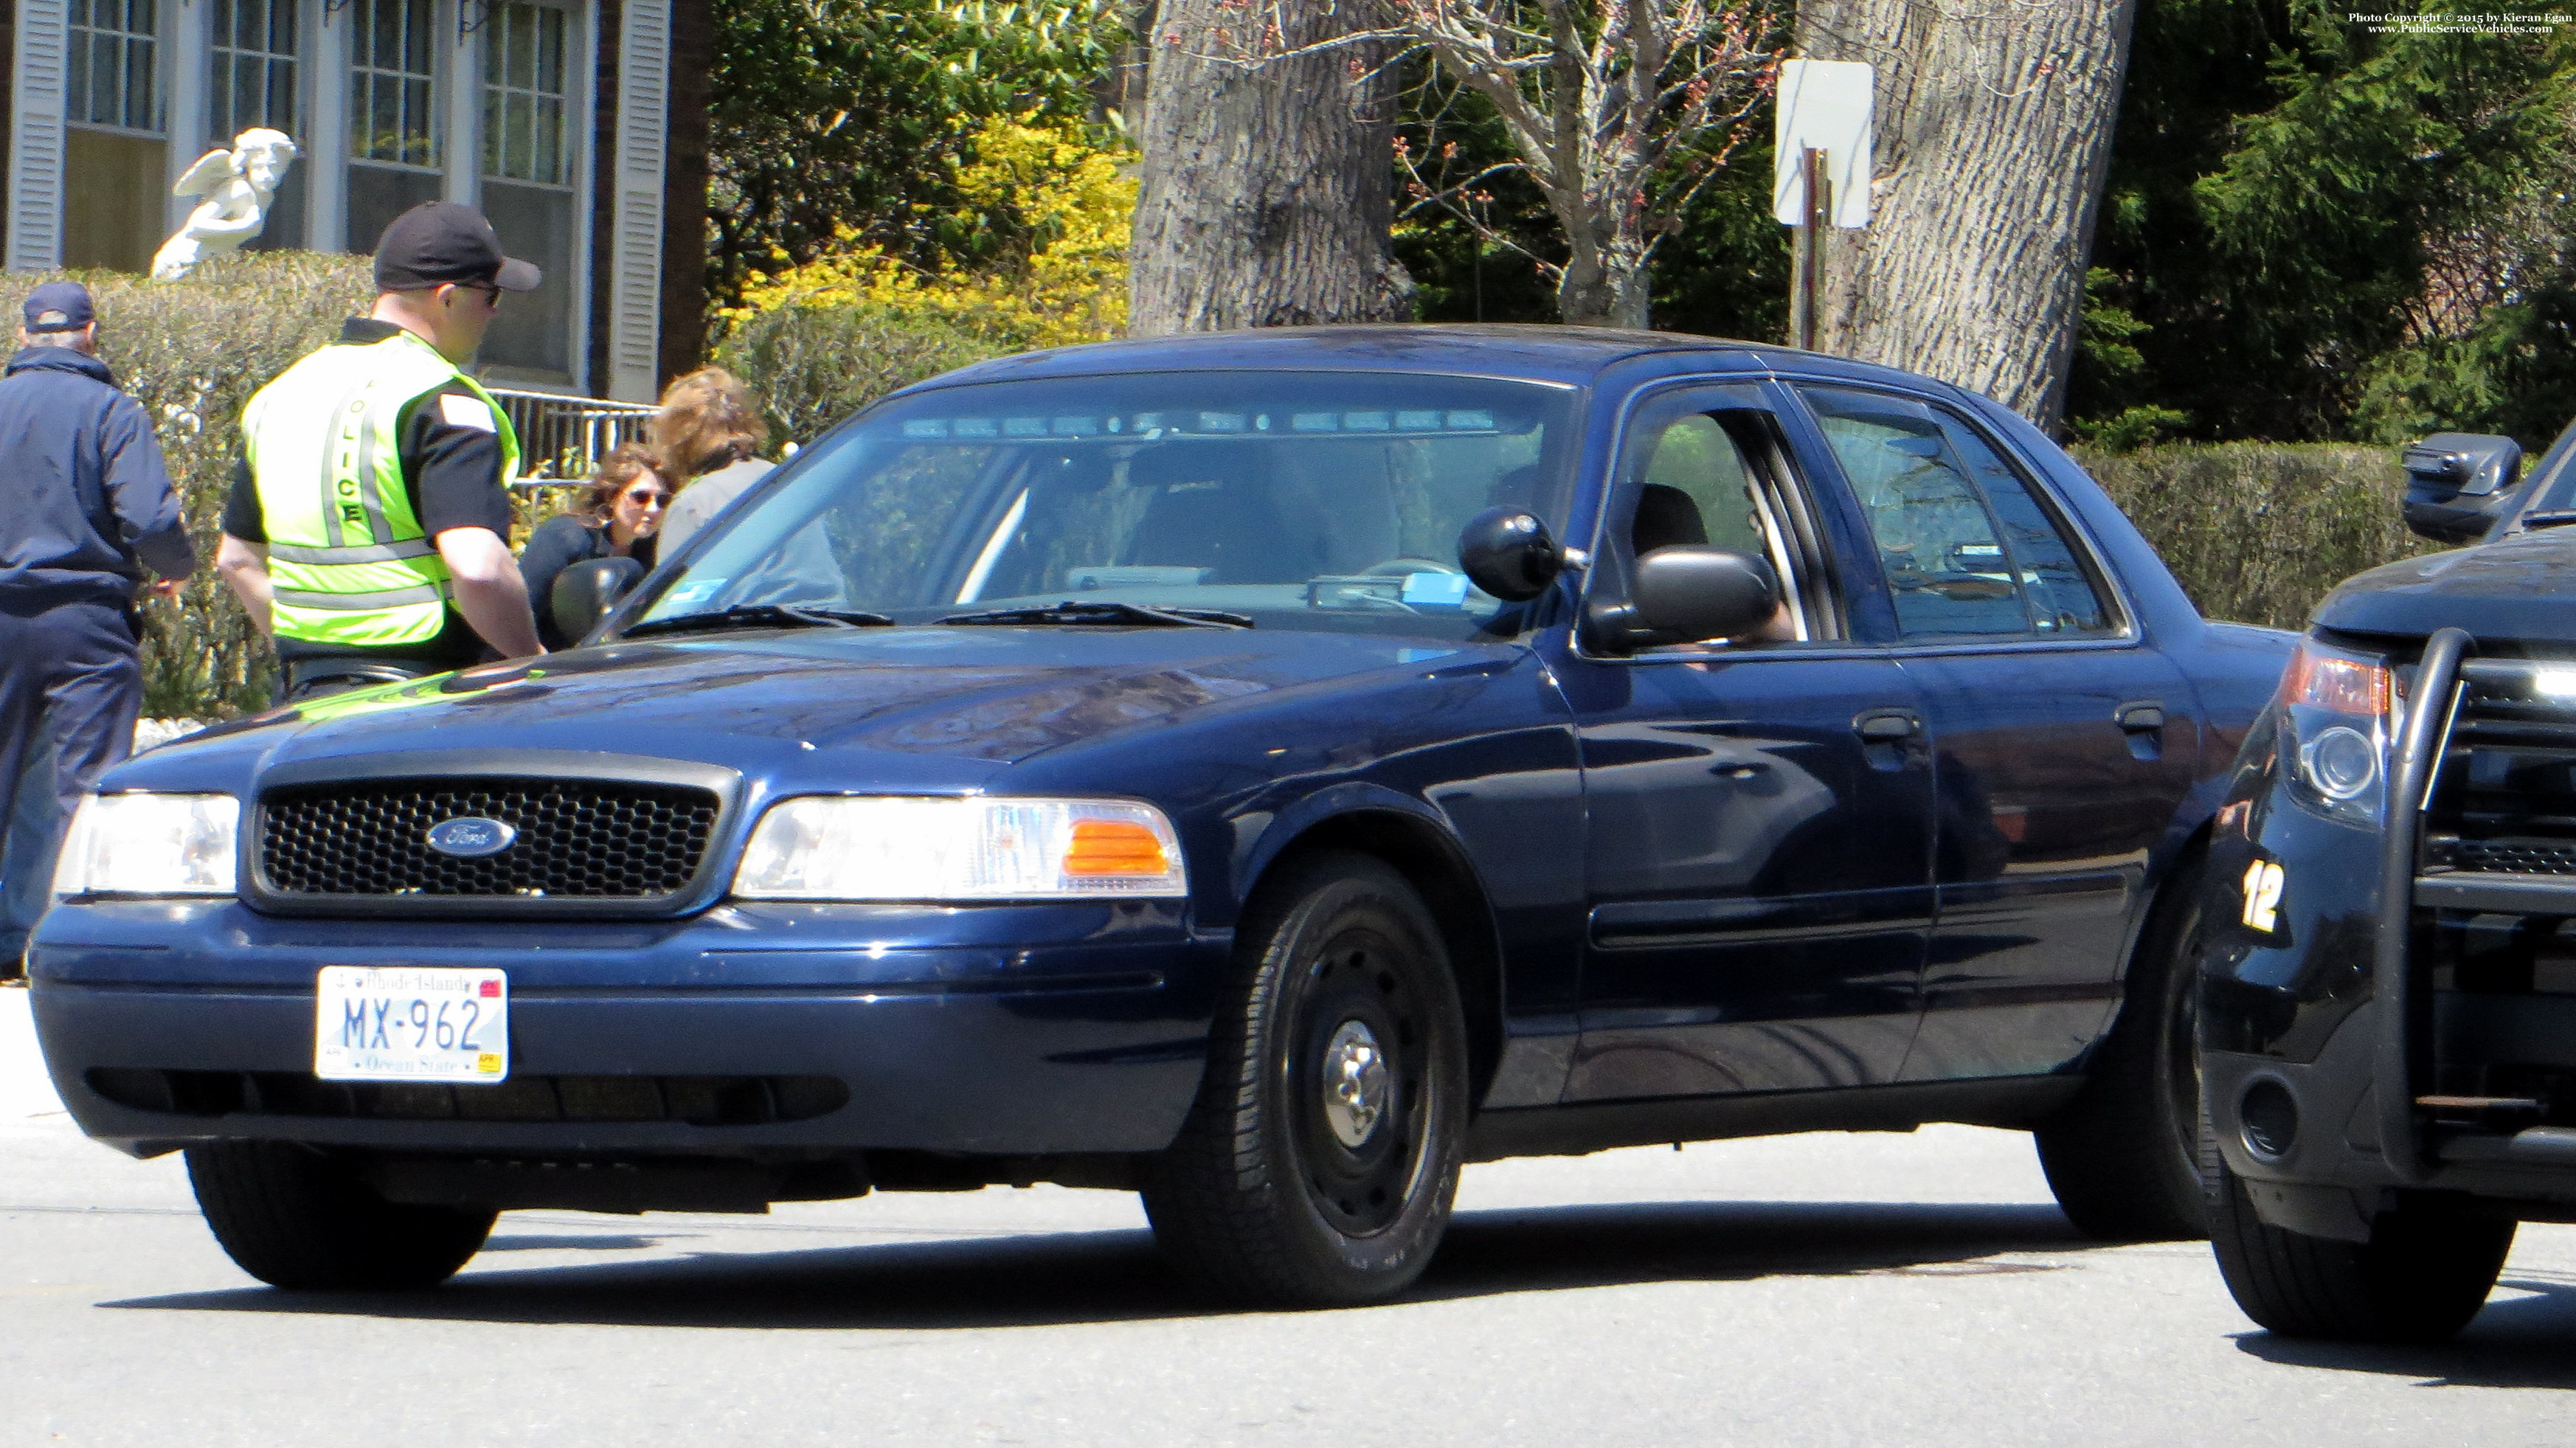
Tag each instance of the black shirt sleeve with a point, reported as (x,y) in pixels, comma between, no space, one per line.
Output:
(454,469)
(242,517)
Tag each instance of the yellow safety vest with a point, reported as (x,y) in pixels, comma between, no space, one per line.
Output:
(347,560)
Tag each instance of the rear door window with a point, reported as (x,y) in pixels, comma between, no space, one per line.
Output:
(1967,546)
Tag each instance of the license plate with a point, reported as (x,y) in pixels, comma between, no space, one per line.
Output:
(411,1023)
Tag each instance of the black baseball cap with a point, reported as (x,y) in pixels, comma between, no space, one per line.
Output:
(59,307)
(445,241)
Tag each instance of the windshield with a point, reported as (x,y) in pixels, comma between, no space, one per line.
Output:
(2552,483)
(1308,500)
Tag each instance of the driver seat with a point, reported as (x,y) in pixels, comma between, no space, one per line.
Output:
(1211,508)
(1666,517)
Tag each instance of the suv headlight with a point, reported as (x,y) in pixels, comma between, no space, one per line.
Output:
(2339,713)
(150,844)
(975,848)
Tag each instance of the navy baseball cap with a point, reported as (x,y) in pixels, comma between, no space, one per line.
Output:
(59,307)
(447,241)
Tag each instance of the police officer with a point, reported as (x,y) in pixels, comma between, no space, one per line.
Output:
(368,527)
(87,507)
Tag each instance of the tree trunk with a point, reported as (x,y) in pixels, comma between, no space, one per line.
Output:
(1993,134)
(1268,189)
(1607,282)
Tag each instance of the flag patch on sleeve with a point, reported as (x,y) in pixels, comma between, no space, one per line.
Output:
(463,411)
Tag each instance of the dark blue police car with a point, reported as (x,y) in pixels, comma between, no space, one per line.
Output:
(1261,771)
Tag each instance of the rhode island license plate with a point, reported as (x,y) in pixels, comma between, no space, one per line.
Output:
(411,1023)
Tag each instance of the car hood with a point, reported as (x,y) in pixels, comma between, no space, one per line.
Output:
(2522,587)
(921,700)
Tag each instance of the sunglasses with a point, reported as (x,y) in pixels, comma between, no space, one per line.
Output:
(491,291)
(648,497)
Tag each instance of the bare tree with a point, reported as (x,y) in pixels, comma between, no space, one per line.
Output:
(1994,132)
(1618,111)
(1267,197)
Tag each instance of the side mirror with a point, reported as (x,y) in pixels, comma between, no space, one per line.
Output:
(585,592)
(2459,483)
(1509,553)
(1691,591)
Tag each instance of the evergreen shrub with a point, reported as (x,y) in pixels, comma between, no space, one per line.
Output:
(2258,532)
(815,363)
(192,352)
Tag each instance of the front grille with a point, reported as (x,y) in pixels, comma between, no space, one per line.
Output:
(577,838)
(2504,790)
(695,1100)
(2520,857)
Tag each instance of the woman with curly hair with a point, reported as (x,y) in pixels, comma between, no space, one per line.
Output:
(712,431)
(619,518)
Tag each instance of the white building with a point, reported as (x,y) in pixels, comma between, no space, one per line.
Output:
(575,125)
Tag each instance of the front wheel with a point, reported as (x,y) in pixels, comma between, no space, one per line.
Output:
(1317,1166)
(2423,1274)
(292,1217)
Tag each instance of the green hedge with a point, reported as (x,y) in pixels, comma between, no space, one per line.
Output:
(2257,532)
(193,352)
(813,366)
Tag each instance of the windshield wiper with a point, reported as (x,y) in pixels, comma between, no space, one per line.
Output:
(1107,613)
(2549,518)
(759,615)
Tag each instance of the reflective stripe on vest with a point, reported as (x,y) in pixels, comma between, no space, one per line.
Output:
(349,562)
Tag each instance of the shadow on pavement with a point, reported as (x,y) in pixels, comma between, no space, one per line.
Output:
(606,1242)
(1087,1277)
(2521,1343)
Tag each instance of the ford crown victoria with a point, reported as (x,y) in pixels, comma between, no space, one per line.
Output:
(1262,771)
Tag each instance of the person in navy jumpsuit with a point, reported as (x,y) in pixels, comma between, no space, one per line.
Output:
(85,510)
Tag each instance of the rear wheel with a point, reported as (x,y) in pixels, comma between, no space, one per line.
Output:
(2123,1158)
(2425,1271)
(1318,1164)
(292,1217)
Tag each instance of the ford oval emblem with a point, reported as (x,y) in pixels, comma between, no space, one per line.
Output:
(471,837)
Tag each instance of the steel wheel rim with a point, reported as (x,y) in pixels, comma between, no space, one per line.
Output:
(1360,1168)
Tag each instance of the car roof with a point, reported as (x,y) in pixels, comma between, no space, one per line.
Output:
(1569,356)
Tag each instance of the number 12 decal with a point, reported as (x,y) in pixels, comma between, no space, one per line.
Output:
(2263,881)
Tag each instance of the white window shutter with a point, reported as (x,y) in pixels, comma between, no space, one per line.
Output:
(36,137)
(635,248)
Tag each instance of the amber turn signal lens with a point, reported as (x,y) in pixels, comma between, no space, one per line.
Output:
(2334,681)
(1114,847)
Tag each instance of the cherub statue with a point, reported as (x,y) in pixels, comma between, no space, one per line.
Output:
(237,185)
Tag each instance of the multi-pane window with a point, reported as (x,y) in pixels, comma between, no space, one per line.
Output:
(393,74)
(525,104)
(528,164)
(114,64)
(253,58)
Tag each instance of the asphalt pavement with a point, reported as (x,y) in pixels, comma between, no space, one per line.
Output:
(1825,1289)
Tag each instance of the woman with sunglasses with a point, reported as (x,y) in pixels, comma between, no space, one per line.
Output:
(619,519)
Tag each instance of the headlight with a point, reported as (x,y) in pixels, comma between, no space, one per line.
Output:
(900,848)
(2339,713)
(150,844)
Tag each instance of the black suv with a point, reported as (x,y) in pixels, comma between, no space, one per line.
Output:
(2388,998)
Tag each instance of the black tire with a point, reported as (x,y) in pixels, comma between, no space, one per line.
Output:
(1266,1198)
(294,1218)
(2123,1158)
(2422,1275)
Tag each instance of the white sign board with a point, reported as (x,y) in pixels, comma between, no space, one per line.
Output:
(1824,104)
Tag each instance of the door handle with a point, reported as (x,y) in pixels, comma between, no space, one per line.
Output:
(1887,726)
(2141,716)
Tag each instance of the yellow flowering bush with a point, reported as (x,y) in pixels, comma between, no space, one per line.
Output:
(1070,198)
